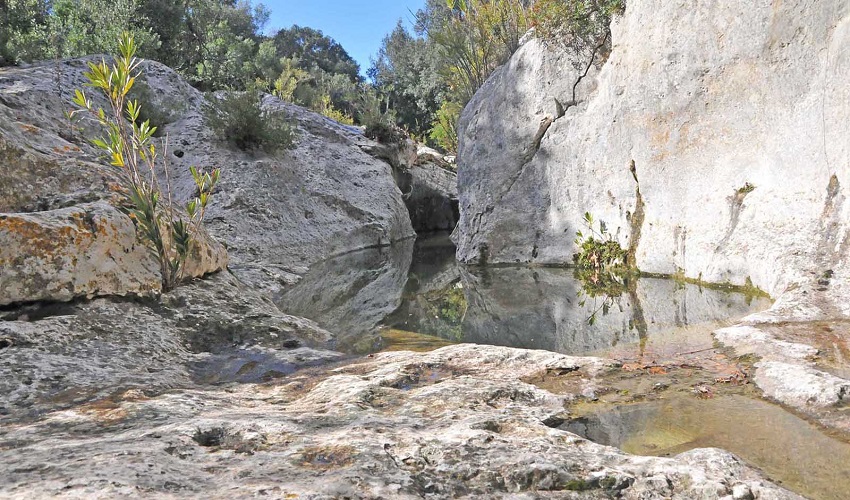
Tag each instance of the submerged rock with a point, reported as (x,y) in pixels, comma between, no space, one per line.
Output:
(455,423)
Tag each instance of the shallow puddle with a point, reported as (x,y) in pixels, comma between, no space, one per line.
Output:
(790,450)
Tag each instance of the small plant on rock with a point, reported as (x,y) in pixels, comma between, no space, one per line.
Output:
(128,143)
(601,267)
(601,263)
(239,119)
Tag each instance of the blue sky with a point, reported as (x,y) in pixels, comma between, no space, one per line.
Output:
(358,25)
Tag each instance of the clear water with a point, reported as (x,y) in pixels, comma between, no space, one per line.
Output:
(791,451)
(421,288)
(416,296)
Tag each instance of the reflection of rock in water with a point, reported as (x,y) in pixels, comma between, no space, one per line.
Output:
(541,309)
(350,294)
(433,304)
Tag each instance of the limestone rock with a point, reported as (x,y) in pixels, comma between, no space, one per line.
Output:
(430,193)
(85,251)
(454,423)
(276,214)
(210,331)
(712,141)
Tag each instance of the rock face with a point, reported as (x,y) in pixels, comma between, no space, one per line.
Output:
(455,423)
(210,331)
(276,214)
(61,254)
(712,142)
(429,187)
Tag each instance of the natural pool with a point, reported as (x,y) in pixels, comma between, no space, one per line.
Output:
(420,288)
(416,296)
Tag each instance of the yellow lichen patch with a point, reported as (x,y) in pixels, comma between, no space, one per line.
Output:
(104,411)
(38,239)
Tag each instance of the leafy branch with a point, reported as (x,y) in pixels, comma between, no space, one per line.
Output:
(128,144)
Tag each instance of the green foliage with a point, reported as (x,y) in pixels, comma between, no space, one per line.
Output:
(444,129)
(315,50)
(378,122)
(747,188)
(128,143)
(79,27)
(24,30)
(598,251)
(581,26)
(600,263)
(239,118)
(407,75)
(474,42)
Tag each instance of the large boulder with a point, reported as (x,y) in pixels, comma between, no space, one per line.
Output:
(276,214)
(712,142)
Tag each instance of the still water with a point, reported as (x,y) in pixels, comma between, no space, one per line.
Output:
(421,288)
(416,296)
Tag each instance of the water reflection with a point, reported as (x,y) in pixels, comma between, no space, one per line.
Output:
(351,294)
(546,308)
(421,288)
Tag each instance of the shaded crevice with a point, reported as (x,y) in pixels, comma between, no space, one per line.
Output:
(736,206)
(636,220)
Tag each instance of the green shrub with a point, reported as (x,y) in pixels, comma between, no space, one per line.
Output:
(581,26)
(444,129)
(601,263)
(379,124)
(129,146)
(238,118)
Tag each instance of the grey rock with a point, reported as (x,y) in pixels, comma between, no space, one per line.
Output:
(63,355)
(722,155)
(279,212)
(430,193)
(454,423)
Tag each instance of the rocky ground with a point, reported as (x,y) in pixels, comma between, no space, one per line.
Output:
(454,423)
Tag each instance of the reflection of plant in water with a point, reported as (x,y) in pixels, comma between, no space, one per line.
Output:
(605,289)
(600,266)
(449,305)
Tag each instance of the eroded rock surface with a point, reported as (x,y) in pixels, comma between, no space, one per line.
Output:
(276,214)
(455,423)
(712,142)
(213,330)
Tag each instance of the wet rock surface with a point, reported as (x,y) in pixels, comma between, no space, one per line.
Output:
(456,422)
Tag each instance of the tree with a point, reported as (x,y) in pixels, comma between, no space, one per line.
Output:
(407,72)
(25,30)
(313,49)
